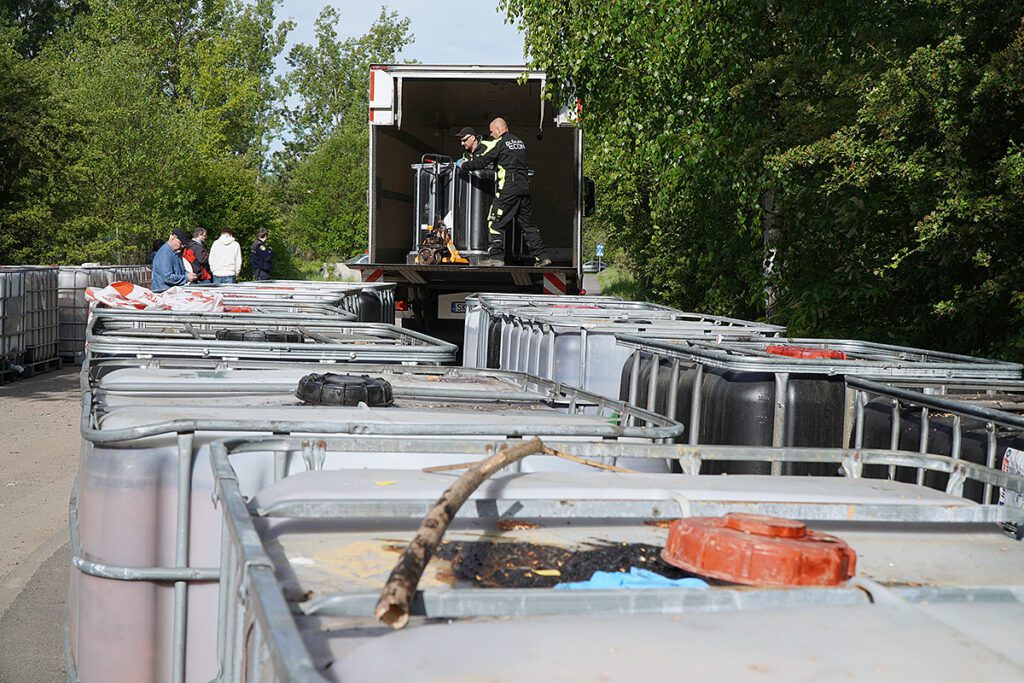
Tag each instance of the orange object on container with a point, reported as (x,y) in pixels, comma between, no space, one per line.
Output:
(805,352)
(758,550)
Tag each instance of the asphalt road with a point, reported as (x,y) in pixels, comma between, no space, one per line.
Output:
(39,421)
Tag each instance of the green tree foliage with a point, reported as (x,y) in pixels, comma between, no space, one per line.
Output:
(868,151)
(162,114)
(921,199)
(38,21)
(34,132)
(323,166)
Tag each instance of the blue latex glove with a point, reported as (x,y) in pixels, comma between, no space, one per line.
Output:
(458,162)
(636,578)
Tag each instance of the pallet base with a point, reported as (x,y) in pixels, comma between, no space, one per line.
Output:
(26,370)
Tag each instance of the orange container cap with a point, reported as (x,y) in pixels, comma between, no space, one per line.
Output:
(805,352)
(758,550)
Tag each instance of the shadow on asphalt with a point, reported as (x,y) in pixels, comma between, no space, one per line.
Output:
(32,628)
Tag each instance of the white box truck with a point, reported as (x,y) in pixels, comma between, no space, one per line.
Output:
(415,110)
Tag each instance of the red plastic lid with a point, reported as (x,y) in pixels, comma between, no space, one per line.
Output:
(805,352)
(757,550)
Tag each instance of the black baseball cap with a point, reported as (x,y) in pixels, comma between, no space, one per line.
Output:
(181,235)
(464,132)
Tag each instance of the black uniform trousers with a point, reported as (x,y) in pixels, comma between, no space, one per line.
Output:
(506,209)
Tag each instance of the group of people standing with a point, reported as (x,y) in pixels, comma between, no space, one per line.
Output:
(183,260)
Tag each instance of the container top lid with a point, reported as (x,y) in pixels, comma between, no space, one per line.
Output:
(758,550)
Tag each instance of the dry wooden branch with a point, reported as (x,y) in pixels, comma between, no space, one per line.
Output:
(448,468)
(547,451)
(400,589)
(586,461)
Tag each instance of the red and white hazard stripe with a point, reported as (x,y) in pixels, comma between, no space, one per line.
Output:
(554,283)
(373,275)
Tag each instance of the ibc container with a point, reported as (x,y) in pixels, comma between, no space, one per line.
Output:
(143,510)
(74,307)
(506,321)
(267,307)
(127,334)
(577,345)
(307,556)
(370,302)
(728,392)
(137,274)
(971,421)
(12,323)
(482,321)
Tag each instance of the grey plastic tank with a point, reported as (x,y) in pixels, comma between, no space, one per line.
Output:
(578,345)
(142,509)
(481,318)
(322,339)
(12,323)
(936,598)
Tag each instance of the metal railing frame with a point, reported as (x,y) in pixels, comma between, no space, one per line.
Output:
(254,612)
(575,401)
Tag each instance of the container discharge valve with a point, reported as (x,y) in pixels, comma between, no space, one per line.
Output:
(332,389)
(758,550)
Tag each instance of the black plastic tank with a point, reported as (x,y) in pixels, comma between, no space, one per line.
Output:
(474,194)
(369,308)
(493,343)
(738,408)
(973,443)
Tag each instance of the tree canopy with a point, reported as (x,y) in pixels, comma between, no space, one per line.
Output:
(121,120)
(849,169)
(845,168)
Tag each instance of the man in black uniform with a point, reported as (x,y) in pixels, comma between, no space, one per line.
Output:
(472,143)
(512,193)
(261,256)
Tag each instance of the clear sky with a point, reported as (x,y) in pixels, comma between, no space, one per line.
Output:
(446,31)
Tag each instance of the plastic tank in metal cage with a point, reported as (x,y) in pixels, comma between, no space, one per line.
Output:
(125,334)
(776,392)
(932,592)
(12,323)
(483,321)
(369,302)
(73,306)
(142,515)
(576,343)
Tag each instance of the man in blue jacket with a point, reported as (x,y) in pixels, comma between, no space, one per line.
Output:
(168,268)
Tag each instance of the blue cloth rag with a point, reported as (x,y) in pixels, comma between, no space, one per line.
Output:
(635,578)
